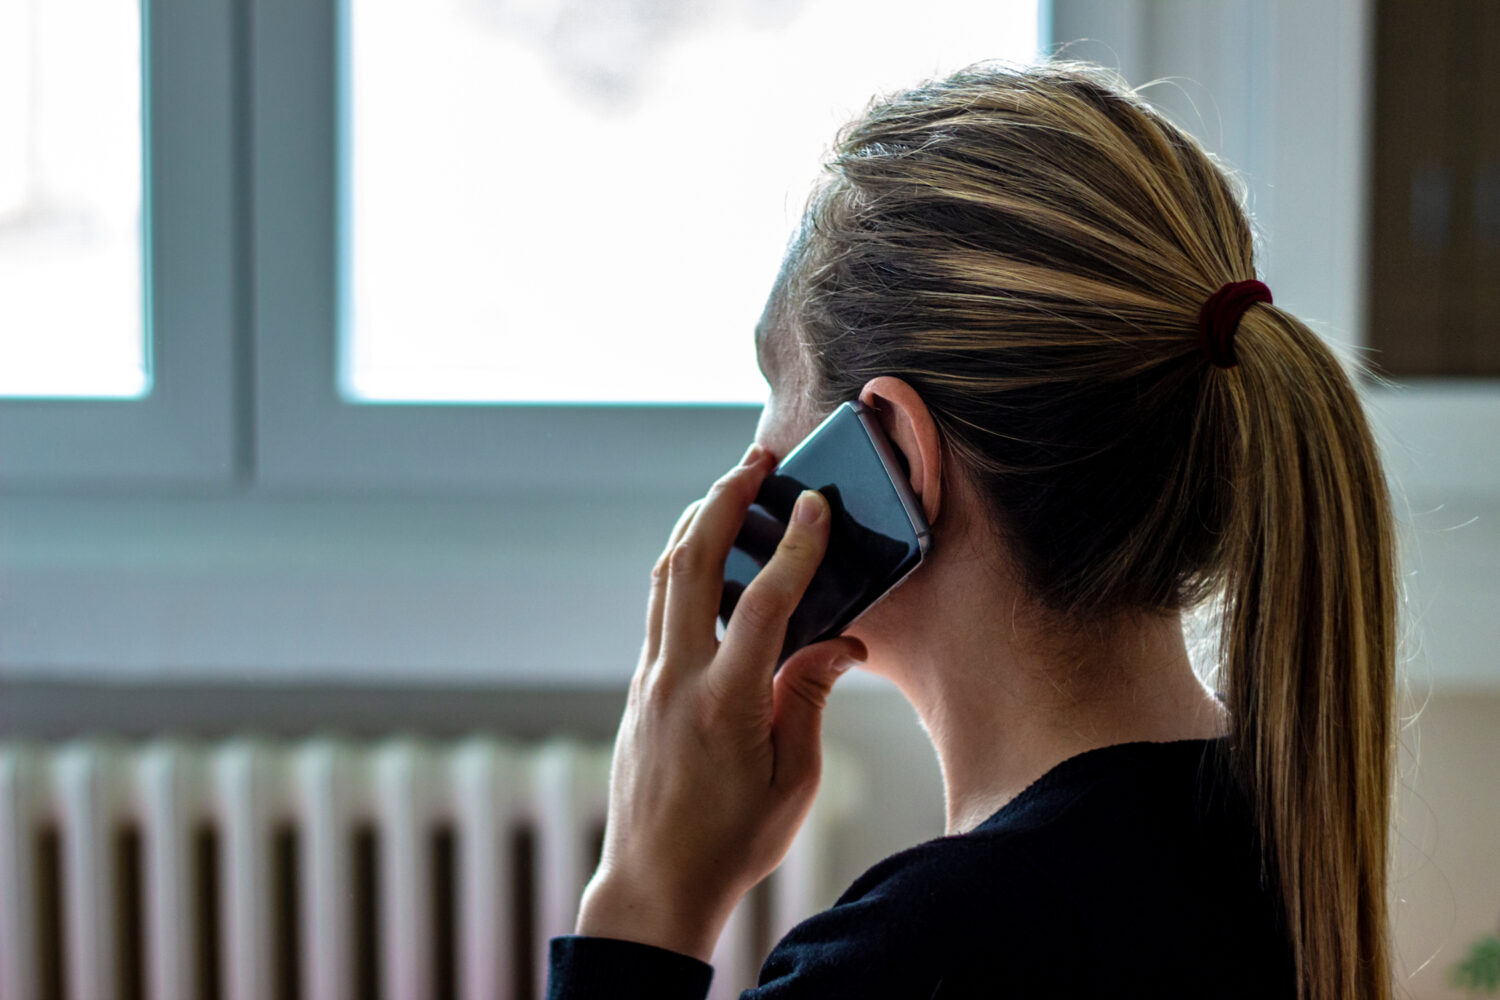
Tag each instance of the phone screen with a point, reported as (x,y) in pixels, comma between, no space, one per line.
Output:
(878,534)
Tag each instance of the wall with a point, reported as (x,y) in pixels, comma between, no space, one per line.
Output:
(1446,876)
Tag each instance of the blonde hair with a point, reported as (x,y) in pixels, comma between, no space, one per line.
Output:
(1029,249)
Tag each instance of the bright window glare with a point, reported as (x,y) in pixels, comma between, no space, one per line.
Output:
(70,199)
(558,201)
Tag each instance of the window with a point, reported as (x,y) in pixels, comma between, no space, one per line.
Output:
(70,200)
(120,300)
(348,308)
(587,203)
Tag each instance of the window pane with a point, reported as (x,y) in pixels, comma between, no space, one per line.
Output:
(568,201)
(70,199)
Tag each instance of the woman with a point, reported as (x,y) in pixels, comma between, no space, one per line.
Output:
(1045,291)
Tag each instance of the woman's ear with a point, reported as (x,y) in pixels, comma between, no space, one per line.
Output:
(906,421)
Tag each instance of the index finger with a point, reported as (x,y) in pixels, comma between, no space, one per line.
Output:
(695,569)
(757,629)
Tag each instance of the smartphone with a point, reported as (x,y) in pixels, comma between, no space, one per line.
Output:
(877,537)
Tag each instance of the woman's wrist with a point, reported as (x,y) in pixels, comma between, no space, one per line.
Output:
(614,909)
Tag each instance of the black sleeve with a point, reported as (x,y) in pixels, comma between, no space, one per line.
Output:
(583,968)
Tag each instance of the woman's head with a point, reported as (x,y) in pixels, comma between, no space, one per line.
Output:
(1028,251)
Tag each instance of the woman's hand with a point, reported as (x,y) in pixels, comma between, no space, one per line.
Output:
(716,763)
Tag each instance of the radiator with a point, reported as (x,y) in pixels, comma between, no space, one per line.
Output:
(326,870)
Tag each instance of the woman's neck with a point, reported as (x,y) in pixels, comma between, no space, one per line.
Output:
(1002,708)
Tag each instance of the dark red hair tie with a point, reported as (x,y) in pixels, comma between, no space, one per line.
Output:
(1220,317)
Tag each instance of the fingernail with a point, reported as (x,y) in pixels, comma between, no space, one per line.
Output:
(808,510)
(752,455)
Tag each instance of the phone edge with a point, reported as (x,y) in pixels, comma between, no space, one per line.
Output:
(887,455)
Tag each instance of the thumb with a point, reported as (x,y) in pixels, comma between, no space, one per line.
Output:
(801,690)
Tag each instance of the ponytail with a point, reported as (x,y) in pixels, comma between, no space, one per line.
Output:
(1308,643)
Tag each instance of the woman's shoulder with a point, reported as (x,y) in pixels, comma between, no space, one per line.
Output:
(1133,855)
(912,918)
(915,916)
(1174,801)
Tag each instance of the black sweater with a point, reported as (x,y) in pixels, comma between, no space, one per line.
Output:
(1126,871)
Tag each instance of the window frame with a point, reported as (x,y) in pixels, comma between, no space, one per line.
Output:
(313,438)
(183,431)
